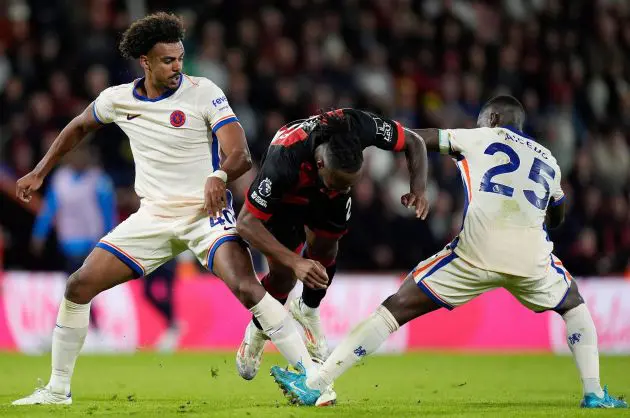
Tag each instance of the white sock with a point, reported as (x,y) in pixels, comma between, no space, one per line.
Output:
(582,340)
(307,310)
(278,325)
(365,339)
(68,337)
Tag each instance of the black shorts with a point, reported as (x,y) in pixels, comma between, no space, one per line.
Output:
(325,216)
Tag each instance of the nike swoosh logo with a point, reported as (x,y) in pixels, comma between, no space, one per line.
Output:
(297,389)
(227,228)
(129,117)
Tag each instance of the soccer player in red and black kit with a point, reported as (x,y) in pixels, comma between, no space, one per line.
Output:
(299,205)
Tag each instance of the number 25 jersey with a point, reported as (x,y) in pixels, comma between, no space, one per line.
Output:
(509,181)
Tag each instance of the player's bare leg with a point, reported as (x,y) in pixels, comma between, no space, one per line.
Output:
(306,308)
(101,271)
(582,340)
(408,303)
(233,264)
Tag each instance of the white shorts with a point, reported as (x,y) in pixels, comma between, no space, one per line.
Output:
(145,241)
(451,281)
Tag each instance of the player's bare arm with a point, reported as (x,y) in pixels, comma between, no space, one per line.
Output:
(69,137)
(237,162)
(417,163)
(310,272)
(430,137)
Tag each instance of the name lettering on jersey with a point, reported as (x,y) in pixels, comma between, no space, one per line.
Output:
(178,118)
(534,146)
(219,101)
(264,188)
(256,198)
(384,129)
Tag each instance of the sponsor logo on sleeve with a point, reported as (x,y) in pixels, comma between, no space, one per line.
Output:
(383,129)
(256,198)
(219,101)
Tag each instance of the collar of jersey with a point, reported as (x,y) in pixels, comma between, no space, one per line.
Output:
(517,132)
(167,93)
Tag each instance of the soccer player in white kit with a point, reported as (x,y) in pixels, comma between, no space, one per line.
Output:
(512,193)
(187,144)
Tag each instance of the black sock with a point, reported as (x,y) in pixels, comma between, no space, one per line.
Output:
(313,297)
(163,305)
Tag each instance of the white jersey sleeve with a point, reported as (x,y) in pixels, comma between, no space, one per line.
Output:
(217,110)
(458,141)
(103,107)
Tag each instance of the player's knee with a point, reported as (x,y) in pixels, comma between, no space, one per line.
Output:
(279,282)
(396,305)
(79,288)
(323,250)
(573,299)
(409,303)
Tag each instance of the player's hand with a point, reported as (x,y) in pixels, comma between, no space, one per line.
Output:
(311,273)
(215,197)
(27,185)
(417,199)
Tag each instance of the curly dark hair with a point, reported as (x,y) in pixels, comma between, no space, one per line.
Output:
(344,151)
(148,31)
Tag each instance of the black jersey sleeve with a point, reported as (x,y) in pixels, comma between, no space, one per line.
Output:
(277,175)
(377,131)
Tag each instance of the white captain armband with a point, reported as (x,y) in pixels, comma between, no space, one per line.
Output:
(444,142)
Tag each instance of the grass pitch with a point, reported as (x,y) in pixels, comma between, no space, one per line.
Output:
(413,385)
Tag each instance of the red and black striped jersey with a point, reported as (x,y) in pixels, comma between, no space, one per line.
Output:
(288,173)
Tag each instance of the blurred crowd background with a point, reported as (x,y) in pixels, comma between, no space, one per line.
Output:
(425,63)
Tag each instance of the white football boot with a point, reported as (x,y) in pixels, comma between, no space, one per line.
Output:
(315,339)
(250,352)
(327,398)
(44,396)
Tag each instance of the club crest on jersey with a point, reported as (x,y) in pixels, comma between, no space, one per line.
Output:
(178,118)
(264,188)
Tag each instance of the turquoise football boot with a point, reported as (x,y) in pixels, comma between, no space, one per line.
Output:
(593,401)
(294,386)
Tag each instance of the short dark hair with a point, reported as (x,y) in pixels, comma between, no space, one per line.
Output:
(504,101)
(343,151)
(508,106)
(144,33)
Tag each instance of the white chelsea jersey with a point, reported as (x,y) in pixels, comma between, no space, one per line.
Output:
(172,138)
(509,180)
